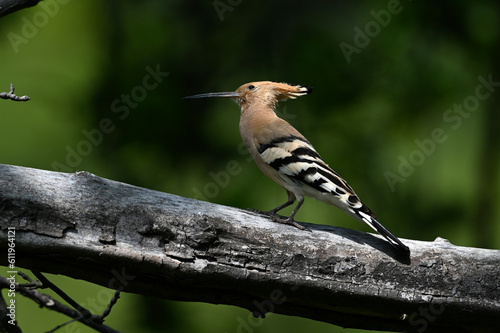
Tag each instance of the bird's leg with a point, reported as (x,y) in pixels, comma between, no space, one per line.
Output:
(273,212)
(291,219)
(283,219)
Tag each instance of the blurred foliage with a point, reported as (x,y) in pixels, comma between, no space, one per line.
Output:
(82,62)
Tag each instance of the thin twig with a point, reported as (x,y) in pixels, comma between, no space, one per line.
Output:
(10,95)
(10,6)
(64,324)
(31,284)
(26,277)
(48,284)
(113,301)
(45,300)
(99,319)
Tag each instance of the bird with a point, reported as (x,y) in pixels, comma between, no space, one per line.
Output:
(283,154)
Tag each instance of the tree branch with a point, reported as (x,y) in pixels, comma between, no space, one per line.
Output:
(152,243)
(48,302)
(46,283)
(10,6)
(10,95)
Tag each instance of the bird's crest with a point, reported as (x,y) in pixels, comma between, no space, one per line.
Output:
(280,91)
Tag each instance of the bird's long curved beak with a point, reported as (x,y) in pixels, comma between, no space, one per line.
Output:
(231,94)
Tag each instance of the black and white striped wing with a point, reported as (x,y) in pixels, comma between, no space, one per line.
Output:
(296,158)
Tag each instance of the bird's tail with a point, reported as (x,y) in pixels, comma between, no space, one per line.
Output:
(372,222)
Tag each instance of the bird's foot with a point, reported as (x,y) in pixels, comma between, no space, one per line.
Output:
(289,221)
(270,213)
(260,212)
(279,218)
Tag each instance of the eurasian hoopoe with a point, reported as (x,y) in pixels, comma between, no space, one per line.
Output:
(289,159)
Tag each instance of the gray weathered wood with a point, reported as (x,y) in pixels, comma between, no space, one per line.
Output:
(10,6)
(153,243)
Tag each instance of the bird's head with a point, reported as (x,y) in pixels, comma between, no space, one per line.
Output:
(262,92)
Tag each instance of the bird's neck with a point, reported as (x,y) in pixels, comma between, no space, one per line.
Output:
(254,117)
(258,112)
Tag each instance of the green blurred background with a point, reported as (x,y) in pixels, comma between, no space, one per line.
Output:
(386,75)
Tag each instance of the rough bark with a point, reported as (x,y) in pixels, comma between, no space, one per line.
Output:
(153,243)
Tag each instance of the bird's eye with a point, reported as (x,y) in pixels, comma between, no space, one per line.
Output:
(251,87)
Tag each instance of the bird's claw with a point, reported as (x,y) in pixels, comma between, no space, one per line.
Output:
(279,218)
(260,212)
(290,222)
(269,213)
